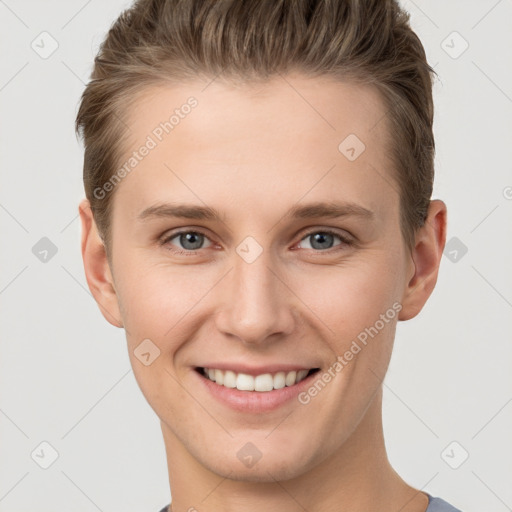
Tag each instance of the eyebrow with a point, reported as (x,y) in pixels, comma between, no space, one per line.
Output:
(308,211)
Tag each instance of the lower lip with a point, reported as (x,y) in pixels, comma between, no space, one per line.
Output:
(254,401)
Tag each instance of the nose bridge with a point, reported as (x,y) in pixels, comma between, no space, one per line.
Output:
(256,303)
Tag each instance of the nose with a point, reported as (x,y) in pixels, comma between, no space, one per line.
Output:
(256,306)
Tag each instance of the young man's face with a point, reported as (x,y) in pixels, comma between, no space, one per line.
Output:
(260,290)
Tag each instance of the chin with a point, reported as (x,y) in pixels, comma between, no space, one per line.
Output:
(261,473)
(268,469)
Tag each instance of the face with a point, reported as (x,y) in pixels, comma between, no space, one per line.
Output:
(259,241)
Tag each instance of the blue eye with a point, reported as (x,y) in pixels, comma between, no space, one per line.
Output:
(190,241)
(322,240)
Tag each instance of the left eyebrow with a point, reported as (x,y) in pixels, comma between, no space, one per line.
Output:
(330,210)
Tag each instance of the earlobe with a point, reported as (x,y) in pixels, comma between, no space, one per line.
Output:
(96,267)
(426,256)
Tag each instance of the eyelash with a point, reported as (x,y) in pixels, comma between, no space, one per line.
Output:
(345,241)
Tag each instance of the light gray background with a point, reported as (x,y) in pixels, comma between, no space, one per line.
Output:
(65,376)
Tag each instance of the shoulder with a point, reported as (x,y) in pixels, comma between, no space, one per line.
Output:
(438,505)
(434,505)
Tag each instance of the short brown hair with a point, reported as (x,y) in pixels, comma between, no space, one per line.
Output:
(159,41)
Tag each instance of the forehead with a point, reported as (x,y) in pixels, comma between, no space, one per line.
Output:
(327,107)
(282,139)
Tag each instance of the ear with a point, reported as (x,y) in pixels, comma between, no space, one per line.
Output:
(96,266)
(426,257)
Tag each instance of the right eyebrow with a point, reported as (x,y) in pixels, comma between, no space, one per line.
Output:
(185,211)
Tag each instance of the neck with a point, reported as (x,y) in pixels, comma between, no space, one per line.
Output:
(357,477)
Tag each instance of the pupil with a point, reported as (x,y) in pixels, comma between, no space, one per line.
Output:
(319,239)
(190,238)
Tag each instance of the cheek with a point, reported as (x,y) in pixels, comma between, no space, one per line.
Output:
(156,297)
(350,297)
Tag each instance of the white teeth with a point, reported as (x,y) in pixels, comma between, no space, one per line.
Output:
(301,374)
(279,380)
(244,382)
(264,382)
(219,376)
(229,379)
(291,378)
(261,383)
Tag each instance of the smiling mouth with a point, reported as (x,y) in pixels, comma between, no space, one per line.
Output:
(261,383)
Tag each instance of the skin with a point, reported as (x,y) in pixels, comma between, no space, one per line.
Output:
(252,152)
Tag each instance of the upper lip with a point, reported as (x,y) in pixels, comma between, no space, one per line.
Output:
(257,370)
